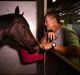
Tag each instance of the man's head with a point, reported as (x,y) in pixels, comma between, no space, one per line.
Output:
(52,20)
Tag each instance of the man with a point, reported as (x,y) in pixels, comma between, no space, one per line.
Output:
(63,40)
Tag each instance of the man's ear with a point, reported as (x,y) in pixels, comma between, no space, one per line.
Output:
(17,10)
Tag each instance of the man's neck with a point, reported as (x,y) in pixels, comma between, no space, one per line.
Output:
(57,28)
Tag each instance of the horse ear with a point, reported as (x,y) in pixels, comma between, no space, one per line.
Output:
(17,10)
(22,14)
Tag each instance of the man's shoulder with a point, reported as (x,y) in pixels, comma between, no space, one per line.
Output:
(67,30)
(70,36)
(69,33)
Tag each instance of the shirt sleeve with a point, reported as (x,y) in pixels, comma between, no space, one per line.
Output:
(72,38)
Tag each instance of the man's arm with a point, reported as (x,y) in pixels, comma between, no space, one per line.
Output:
(69,51)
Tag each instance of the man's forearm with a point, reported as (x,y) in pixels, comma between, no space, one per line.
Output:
(70,51)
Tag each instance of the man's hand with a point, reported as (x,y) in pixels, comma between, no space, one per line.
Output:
(46,46)
(52,35)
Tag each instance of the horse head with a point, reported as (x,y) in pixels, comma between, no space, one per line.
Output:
(17,28)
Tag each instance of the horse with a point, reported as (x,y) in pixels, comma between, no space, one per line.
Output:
(15,27)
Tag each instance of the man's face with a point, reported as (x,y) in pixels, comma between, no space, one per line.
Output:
(50,23)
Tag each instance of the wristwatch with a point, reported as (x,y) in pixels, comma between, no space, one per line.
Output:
(53,44)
